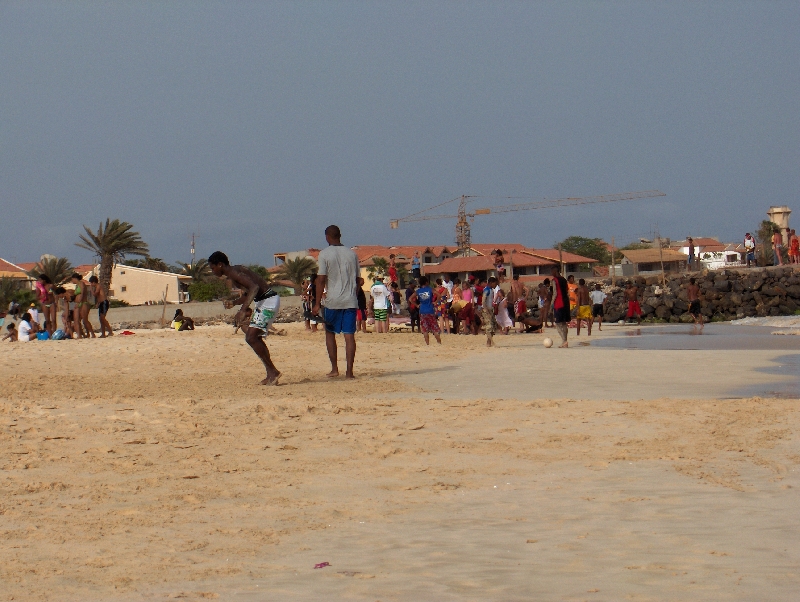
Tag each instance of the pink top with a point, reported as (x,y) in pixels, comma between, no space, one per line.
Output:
(41,292)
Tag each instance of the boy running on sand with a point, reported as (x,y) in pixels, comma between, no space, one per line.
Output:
(267,306)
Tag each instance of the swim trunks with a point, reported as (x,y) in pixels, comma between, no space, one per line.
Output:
(381,315)
(694,308)
(340,321)
(585,312)
(429,323)
(265,312)
(102,307)
(597,310)
(634,309)
(520,307)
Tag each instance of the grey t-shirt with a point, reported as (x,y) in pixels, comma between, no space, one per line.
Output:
(340,265)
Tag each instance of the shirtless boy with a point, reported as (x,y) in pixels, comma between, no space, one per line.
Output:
(632,296)
(267,305)
(102,306)
(584,307)
(693,291)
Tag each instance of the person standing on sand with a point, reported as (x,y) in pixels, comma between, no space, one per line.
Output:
(794,247)
(693,291)
(424,297)
(488,320)
(584,308)
(561,310)
(632,296)
(84,300)
(416,272)
(777,245)
(338,274)
(361,314)
(545,300)
(749,249)
(598,305)
(691,253)
(572,289)
(516,299)
(267,306)
(102,306)
(380,305)
(413,307)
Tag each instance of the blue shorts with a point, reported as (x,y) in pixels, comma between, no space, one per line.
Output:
(340,321)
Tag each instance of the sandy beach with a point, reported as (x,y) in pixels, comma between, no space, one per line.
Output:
(154,467)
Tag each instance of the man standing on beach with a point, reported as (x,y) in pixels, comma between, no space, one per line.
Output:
(584,308)
(598,305)
(488,321)
(267,306)
(561,309)
(338,275)
(632,296)
(777,245)
(749,249)
(693,292)
(691,253)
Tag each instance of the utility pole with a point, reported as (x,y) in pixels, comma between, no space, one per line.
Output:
(560,260)
(613,266)
(192,248)
(661,257)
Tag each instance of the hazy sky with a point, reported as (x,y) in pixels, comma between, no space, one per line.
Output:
(256,125)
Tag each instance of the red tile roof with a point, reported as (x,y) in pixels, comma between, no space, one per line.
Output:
(454,265)
(9,268)
(552,255)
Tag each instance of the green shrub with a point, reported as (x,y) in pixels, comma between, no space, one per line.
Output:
(209,290)
(118,303)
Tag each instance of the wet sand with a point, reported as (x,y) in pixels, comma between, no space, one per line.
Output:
(153,467)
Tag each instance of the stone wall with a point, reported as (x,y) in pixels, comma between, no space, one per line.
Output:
(727,294)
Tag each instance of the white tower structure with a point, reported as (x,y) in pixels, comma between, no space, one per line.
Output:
(780,215)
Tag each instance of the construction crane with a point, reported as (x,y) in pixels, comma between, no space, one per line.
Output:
(464,218)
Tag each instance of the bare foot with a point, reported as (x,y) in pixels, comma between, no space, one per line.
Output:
(349,375)
(271,382)
(564,346)
(332,374)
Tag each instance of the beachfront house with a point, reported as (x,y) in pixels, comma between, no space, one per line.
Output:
(138,286)
(637,262)
(713,254)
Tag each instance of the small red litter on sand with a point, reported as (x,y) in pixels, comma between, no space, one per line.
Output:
(126,333)
(322,565)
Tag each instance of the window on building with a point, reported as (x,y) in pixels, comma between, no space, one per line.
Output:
(121,272)
(123,288)
(428,259)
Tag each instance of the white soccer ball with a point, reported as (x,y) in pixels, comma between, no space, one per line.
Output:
(548,342)
(621,322)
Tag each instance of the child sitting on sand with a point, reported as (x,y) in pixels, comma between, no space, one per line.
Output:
(12,333)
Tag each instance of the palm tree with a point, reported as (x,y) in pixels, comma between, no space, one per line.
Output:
(198,271)
(297,270)
(111,243)
(379,267)
(58,269)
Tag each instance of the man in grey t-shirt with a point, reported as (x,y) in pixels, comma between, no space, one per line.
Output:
(337,276)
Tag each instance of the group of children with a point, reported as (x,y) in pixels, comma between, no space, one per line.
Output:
(72,305)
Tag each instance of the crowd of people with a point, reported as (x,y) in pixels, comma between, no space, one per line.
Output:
(70,306)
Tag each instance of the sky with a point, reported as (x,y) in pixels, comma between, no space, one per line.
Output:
(255,125)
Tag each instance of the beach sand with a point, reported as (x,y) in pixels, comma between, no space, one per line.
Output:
(154,467)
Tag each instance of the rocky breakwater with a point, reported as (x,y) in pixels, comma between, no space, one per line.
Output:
(726,295)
